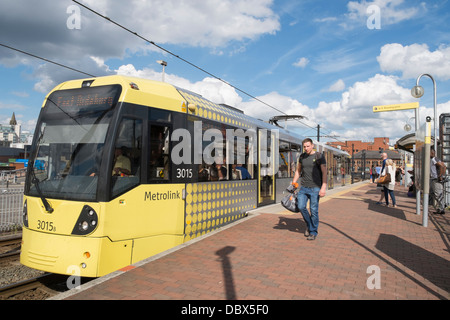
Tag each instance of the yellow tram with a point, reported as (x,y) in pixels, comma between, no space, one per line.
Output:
(124,168)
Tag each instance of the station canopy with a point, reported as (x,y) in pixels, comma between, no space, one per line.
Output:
(408,142)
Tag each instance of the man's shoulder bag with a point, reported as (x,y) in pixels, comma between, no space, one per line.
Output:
(289,201)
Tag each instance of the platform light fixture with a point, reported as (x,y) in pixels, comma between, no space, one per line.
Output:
(417,92)
(408,126)
(164,65)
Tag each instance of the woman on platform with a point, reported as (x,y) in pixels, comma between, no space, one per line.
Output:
(389,187)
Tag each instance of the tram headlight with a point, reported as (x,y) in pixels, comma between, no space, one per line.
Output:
(87,221)
(84,226)
(25,214)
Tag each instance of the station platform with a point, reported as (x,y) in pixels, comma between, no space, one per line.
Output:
(364,251)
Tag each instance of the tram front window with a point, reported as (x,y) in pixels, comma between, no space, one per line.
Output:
(70,138)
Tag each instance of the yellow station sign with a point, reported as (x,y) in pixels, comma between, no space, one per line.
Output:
(396,107)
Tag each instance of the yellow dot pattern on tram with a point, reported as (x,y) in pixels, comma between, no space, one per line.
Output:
(211,205)
(215,112)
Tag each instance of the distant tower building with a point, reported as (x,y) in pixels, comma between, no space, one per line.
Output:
(13,121)
(10,134)
(16,128)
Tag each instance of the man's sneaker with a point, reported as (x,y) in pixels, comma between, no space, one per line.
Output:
(311,237)
(306,232)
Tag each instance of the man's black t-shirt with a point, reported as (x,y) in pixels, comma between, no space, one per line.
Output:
(311,171)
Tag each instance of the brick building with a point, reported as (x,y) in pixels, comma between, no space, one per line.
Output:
(373,158)
(367,154)
(377,145)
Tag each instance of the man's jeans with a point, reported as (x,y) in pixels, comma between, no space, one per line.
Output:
(312,220)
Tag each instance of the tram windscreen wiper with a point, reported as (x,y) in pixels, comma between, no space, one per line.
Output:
(36,181)
(47,205)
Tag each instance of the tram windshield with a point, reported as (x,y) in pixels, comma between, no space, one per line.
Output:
(69,141)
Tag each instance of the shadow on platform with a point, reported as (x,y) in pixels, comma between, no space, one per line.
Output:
(227,270)
(291,224)
(427,264)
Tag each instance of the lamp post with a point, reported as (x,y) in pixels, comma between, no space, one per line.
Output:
(418,92)
(353,161)
(164,65)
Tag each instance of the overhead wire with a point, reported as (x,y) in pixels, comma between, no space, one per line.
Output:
(46,60)
(187,61)
(161,48)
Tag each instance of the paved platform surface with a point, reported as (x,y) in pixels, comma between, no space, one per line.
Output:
(363,251)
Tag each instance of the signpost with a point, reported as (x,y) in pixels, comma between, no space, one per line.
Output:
(422,168)
(421,155)
(396,107)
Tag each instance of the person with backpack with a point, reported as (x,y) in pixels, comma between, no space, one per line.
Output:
(312,168)
(437,173)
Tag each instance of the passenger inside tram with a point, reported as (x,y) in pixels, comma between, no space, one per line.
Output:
(122,164)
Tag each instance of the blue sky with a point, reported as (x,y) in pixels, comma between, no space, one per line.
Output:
(330,61)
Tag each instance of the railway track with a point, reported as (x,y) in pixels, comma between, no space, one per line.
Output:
(23,283)
(11,239)
(10,246)
(36,288)
(21,286)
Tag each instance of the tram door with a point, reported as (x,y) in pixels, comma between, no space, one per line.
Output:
(267,146)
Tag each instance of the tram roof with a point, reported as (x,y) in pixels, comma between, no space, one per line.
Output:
(166,96)
(169,97)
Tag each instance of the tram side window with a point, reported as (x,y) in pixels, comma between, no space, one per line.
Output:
(296,151)
(217,171)
(241,168)
(223,159)
(284,160)
(158,166)
(288,156)
(214,162)
(127,156)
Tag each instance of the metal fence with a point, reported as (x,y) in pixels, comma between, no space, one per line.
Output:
(11,206)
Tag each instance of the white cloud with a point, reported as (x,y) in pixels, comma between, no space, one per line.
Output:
(352,117)
(212,23)
(100,63)
(130,70)
(45,84)
(378,90)
(286,104)
(324,20)
(223,27)
(355,111)
(443,108)
(339,60)
(414,60)
(337,86)
(301,63)
(11,106)
(21,94)
(210,88)
(219,92)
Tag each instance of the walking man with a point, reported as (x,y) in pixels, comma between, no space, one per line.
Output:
(312,168)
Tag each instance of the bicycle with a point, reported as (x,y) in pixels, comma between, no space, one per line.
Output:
(441,200)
